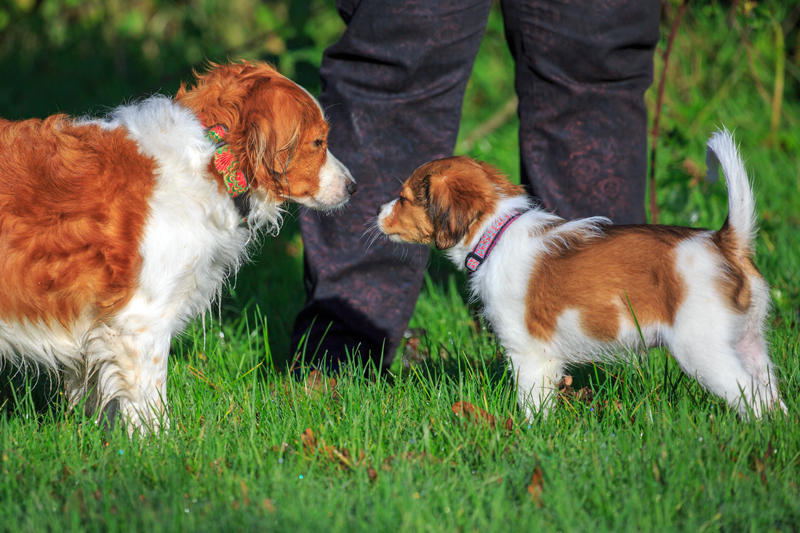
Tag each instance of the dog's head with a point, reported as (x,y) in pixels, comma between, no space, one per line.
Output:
(277,131)
(444,202)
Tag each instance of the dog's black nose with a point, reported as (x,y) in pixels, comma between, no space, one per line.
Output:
(352,188)
(378,212)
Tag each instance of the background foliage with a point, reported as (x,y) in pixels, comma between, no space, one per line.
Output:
(633,446)
(84,56)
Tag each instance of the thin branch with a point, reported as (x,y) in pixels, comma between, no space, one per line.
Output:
(777,96)
(752,55)
(493,123)
(657,116)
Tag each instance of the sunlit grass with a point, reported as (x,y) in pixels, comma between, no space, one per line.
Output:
(642,447)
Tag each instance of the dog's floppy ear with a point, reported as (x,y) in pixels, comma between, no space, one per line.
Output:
(455,203)
(270,145)
(272,129)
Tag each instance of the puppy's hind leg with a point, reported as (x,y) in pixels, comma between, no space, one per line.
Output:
(536,376)
(753,351)
(710,357)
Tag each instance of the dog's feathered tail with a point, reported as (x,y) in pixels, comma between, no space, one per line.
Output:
(740,226)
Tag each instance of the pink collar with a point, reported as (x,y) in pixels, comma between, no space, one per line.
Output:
(490,237)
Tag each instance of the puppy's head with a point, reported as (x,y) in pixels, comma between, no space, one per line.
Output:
(277,131)
(444,202)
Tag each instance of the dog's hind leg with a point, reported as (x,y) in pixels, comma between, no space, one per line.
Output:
(80,388)
(753,350)
(706,351)
(757,319)
(709,334)
(536,377)
(720,372)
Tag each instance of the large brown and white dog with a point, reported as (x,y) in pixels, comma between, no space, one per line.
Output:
(560,293)
(114,233)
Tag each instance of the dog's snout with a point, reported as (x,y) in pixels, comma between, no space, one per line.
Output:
(352,188)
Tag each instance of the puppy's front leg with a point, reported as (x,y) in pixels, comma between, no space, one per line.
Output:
(536,376)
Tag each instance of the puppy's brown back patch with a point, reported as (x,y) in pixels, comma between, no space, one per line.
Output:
(597,278)
(734,282)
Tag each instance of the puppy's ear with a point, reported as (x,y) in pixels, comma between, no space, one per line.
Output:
(500,180)
(455,203)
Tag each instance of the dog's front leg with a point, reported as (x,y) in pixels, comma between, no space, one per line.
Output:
(80,388)
(143,401)
(128,366)
(536,376)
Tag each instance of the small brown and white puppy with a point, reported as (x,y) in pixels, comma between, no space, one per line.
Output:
(559,293)
(114,233)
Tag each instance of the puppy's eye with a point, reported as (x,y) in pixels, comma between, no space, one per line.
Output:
(401,199)
(318,143)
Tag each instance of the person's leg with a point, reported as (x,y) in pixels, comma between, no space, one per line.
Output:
(392,88)
(581,73)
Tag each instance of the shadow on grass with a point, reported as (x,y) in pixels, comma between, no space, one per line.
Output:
(22,390)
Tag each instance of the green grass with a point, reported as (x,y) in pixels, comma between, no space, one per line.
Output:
(646,449)
(651,451)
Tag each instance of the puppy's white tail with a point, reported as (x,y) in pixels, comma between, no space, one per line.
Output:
(741,222)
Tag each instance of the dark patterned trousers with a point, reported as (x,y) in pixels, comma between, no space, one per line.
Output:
(393,87)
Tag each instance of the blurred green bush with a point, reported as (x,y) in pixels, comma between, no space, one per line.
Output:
(70,55)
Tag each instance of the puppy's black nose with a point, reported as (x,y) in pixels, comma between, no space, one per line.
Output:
(352,188)
(378,212)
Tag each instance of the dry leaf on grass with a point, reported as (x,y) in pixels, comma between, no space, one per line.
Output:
(414,352)
(314,446)
(338,455)
(315,386)
(245,492)
(372,474)
(294,248)
(584,395)
(309,440)
(760,463)
(283,448)
(344,459)
(536,488)
(470,413)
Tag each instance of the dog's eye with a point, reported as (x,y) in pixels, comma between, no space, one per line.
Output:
(318,143)
(401,199)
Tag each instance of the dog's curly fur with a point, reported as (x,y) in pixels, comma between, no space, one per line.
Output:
(114,233)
